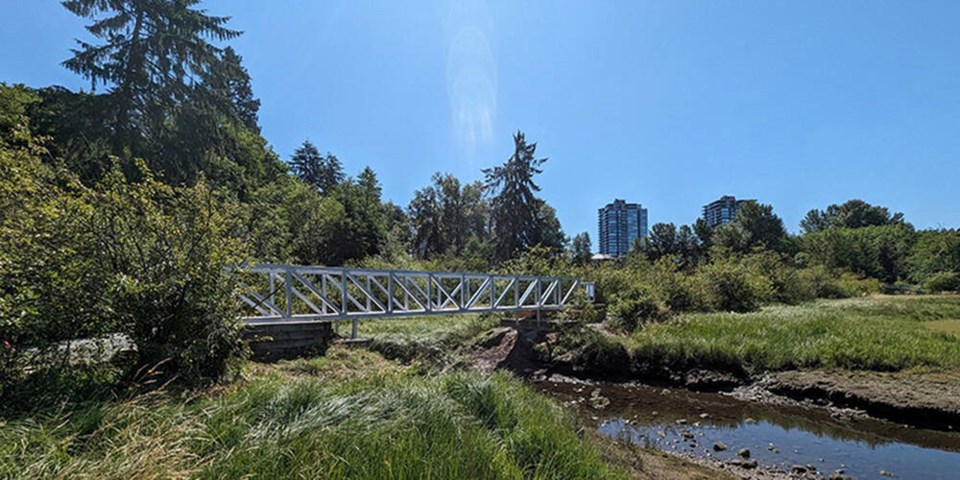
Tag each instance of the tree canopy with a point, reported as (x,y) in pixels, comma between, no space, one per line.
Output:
(323,172)
(853,213)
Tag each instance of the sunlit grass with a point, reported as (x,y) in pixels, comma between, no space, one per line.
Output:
(881,333)
(433,337)
(342,417)
(949,326)
(434,326)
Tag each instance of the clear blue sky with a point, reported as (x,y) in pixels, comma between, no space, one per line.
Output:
(670,104)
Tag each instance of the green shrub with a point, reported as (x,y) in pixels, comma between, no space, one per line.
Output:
(729,286)
(875,251)
(943,282)
(672,285)
(935,251)
(635,307)
(818,282)
(165,251)
(136,258)
(853,285)
(50,290)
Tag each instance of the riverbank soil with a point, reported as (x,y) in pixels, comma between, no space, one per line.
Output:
(654,464)
(928,399)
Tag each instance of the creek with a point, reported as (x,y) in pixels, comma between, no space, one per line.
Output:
(780,436)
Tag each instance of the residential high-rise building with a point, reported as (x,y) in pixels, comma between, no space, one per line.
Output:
(620,224)
(721,211)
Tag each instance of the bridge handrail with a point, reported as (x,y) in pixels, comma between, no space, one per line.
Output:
(265,267)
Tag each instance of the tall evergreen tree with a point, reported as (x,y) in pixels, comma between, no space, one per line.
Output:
(246,107)
(153,53)
(175,98)
(580,248)
(365,215)
(515,209)
(323,172)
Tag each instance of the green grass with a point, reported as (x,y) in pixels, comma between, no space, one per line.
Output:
(349,415)
(430,337)
(949,326)
(444,327)
(872,333)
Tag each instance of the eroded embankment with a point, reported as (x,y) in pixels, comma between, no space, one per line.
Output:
(794,424)
(923,399)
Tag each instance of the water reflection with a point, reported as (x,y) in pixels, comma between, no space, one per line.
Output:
(693,423)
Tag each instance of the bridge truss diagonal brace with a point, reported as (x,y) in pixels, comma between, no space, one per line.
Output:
(279,293)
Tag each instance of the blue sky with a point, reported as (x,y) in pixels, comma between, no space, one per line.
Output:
(671,104)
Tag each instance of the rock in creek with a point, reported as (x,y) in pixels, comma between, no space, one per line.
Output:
(719,447)
(748,464)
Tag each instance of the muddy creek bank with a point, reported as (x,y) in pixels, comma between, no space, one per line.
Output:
(780,438)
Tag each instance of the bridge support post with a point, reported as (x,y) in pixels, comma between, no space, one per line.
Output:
(539,298)
(288,283)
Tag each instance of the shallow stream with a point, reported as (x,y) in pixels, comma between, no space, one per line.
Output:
(717,426)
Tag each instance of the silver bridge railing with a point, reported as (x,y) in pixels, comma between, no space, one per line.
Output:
(290,293)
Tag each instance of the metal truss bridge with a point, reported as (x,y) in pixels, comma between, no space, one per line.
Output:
(278,294)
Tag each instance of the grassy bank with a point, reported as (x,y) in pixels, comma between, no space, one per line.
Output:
(882,333)
(435,338)
(351,414)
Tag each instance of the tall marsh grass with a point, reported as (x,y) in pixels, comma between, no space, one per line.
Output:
(280,425)
(427,337)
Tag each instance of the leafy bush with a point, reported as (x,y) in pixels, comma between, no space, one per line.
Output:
(818,282)
(943,282)
(165,251)
(136,258)
(634,307)
(854,286)
(936,251)
(49,289)
(878,251)
(674,287)
(729,286)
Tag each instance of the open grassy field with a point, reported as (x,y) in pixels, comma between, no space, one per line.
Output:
(884,333)
(351,414)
